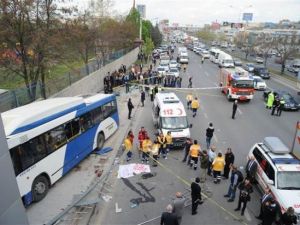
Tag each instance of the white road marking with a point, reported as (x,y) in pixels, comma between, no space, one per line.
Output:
(240,112)
(216,84)
(205,115)
(247,215)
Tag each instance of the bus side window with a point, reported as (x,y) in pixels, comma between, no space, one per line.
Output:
(106,109)
(56,139)
(15,154)
(97,115)
(72,128)
(85,122)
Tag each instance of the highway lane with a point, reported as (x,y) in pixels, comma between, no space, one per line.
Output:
(253,122)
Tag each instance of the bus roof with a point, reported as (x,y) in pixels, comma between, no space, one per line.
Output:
(37,113)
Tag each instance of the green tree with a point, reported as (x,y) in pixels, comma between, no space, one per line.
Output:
(148,47)
(146,29)
(156,36)
(134,18)
(206,35)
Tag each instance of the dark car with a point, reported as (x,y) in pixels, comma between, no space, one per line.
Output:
(237,62)
(262,72)
(290,102)
(249,67)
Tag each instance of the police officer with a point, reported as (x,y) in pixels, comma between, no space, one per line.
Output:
(280,107)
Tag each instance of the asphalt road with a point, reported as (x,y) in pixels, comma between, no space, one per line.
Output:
(253,122)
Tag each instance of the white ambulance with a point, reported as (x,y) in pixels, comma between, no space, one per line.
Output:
(168,114)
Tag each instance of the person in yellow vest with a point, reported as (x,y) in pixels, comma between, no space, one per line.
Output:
(146,148)
(163,144)
(194,154)
(189,99)
(218,166)
(155,150)
(195,106)
(128,147)
(169,141)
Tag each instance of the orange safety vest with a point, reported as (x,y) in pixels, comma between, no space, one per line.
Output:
(194,150)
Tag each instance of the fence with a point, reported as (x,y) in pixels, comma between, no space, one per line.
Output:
(18,97)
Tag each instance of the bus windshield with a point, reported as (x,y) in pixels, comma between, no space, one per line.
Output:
(173,123)
(288,180)
(242,83)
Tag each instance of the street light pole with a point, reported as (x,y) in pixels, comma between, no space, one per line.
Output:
(141,28)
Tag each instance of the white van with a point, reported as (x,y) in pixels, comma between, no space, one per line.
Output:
(225,60)
(168,114)
(294,67)
(184,58)
(214,54)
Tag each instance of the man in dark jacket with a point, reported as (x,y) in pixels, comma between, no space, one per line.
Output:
(203,165)
(187,147)
(267,196)
(209,134)
(168,218)
(270,209)
(143,96)
(196,195)
(130,107)
(234,108)
(235,179)
(245,191)
(229,160)
(289,217)
(251,169)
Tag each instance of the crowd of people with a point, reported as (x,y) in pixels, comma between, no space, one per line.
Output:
(212,163)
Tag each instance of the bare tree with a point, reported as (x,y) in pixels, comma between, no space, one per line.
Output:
(264,43)
(287,46)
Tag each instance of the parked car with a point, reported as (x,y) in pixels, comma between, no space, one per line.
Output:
(237,62)
(249,67)
(261,71)
(165,65)
(259,60)
(290,102)
(259,83)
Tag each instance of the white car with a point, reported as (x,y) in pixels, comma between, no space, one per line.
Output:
(205,54)
(279,170)
(165,65)
(161,71)
(173,72)
(259,60)
(259,83)
(173,64)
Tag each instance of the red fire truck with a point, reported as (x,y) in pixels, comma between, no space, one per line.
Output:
(236,83)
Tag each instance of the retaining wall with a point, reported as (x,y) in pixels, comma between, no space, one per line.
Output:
(93,83)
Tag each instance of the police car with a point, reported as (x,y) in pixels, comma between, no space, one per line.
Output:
(279,170)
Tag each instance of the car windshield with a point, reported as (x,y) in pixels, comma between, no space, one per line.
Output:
(173,123)
(288,180)
(228,61)
(163,64)
(287,97)
(258,79)
(243,83)
(160,69)
(263,70)
(174,70)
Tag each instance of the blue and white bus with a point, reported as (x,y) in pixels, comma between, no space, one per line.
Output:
(46,139)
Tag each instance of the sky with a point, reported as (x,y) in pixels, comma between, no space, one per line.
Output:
(200,12)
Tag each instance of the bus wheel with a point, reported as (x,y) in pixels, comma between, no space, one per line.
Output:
(40,188)
(100,141)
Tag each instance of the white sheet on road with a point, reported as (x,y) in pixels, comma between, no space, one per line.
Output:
(126,171)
